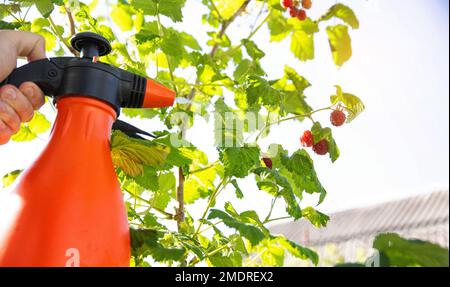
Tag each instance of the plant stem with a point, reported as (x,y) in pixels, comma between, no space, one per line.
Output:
(271,209)
(278,218)
(61,38)
(210,202)
(197,260)
(71,21)
(211,226)
(256,257)
(204,168)
(290,118)
(169,215)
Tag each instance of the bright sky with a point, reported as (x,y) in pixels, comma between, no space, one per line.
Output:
(397,148)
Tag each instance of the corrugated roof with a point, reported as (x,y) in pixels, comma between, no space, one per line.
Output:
(407,214)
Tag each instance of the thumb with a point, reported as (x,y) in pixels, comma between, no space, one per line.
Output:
(15,44)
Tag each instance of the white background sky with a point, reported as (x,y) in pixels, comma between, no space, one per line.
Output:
(397,148)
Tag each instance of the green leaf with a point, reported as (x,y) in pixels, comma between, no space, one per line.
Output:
(219,260)
(253,234)
(146,242)
(39,124)
(132,154)
(253,50)
(29,131)
(270,180)
(172,9)
(351,102)
(45,7)
(402,252)
(227,8)
(9,26)
(278,26)
(301,165)
(238,161)
(201,183)
(319,134)
(297,250)
(228,129)
(317,218)
(302,45)
(271,255)
(169,8)
(295,103)
(342,12)
(239,193)
(122,17)
(340,43)
(259,91)
(148,7)
(167,186)
(9,178)
(300,83)
(247,68)
(38,24)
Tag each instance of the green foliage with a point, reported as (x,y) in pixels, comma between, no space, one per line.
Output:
(9,178)
(351,103)
(392,250)
(29,131)
(401,252)
(215,74)
(132,154)
(340,43)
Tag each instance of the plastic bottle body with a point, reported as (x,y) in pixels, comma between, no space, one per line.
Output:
(68,208)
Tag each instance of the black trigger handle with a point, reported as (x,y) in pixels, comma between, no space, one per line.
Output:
(46,73)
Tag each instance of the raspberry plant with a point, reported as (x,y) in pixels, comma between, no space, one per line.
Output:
(166,178)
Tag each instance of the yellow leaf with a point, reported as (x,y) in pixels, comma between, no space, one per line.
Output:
(132,154)
(228,7)
(340,43)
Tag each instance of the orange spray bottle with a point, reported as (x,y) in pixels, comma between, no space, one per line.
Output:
(67,208)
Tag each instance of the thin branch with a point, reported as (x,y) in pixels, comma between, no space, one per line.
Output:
(71,21)
(180,198)
(290,118)
(213,197)
(61,37)
(169,215)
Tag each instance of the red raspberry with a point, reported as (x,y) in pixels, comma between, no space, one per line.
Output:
(301,15)
(287,3)
(338,118)
(321,148)
(307,139)
(268,162)
(293,12)
(306,4)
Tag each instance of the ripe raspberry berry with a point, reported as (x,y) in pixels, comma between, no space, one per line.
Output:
(321,148)
(287,3)
(307,139)
(306,4)
(338,118)
(268,162)
(293,12)
(301,15)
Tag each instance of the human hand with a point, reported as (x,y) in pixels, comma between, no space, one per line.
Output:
(17,105)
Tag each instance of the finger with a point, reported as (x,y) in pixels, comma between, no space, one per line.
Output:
(5,133)
(33,93)
(13,97)
(9,117)
(29,45)
(18,43)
